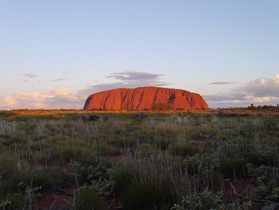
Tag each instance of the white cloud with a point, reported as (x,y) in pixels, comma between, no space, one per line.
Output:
(263,99)
(63,99)
(58,79)
(30,75)
(55,99)
(126,79)
(132,76)
(263,87)
(9,101)
(262,91)
(223,83)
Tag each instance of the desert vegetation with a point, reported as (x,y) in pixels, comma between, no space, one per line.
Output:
(207,159)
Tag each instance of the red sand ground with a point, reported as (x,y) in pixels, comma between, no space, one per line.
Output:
(54,200)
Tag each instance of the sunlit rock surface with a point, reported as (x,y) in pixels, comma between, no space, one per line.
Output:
(144,98)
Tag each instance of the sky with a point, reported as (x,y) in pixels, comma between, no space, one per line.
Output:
(55,53)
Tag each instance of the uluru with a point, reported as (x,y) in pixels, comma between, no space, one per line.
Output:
(144,98)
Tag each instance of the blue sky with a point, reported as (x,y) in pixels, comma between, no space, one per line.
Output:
(54,53)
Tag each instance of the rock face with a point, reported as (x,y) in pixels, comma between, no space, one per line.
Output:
(144,98)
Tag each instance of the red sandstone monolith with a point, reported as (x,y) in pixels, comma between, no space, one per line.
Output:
(144,98)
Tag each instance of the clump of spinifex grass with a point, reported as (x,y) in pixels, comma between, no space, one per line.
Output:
(87,198)
(146,183)
(167,176)
(20,183)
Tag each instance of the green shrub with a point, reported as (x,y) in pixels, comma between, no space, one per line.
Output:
(267,180)
(122,178)
(93,117)
(95,173)
(148,194)
(87,198)
(233,167)
(270,124)
(12,201)
(8,166)
(140,116)
(106,149)
(183,149)
(203,201)
(69,152)
(207,199)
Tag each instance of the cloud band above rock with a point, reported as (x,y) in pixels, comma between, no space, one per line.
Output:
(127,79)
(262,91)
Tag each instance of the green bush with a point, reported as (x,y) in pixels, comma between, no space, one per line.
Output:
(202,201)
(267,182)
(12,201)
(8,166)
(87,198)
(183,149)
(149,195)
(233,167)
(122,178)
